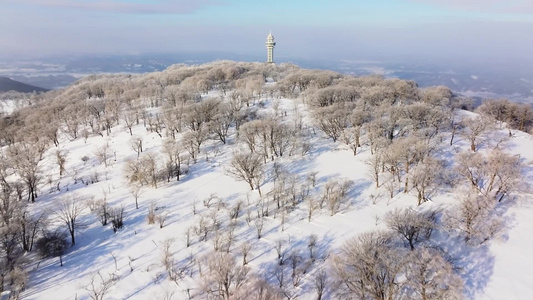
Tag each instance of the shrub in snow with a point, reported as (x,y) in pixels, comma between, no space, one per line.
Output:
(52,244)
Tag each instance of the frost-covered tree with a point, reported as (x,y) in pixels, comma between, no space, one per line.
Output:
(368,267)
(515,115)
(221,122)
(424,178)
(430,276)
(247,167)
(136,143)
(474,218)
(473,130)
(412,226)
(103,154)
(496,175)
(332,120)
(223,277)
(27,162)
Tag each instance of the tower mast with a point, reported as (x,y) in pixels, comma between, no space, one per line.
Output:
(270,48)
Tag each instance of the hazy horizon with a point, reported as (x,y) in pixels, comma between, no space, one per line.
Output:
(473,31)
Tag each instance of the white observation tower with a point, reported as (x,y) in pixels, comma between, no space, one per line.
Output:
(270,48)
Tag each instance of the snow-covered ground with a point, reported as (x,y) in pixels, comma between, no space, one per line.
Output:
(133,255)
(8,106)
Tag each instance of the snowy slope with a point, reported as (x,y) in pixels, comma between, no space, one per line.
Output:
(133,255)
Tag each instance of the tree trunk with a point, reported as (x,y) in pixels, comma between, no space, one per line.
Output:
(72,239)
(453,135)
(406,188)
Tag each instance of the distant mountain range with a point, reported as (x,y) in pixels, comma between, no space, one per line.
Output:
(7,84)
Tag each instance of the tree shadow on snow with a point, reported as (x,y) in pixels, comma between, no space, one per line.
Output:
(475,264)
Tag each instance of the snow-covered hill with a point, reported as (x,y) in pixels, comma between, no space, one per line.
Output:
(313,199)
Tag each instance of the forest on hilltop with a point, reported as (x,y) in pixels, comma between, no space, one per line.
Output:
(263,125)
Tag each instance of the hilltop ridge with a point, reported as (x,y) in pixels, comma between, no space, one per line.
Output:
(280,178)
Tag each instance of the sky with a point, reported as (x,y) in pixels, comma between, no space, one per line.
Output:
(482,31)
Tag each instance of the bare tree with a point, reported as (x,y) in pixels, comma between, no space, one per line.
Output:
(424,178)
(405,152)
(311,177)
(161,218)
(175,273)
(103,154)
(221,122)
(103,211)
(295,260)
(99,286)
(135,172)
(375,167)
(136,143)
(150,167)
(332,120)
(474,129)
(311,245)
(249,132)
(136,191)
(475,218)
(129,118)
(117,217)
(247,167)
(246,248)
(311,206)
(279,275)
(224,278)
(174,152)
(411,225)
(504,174)
(61,158)
(495,176)
(258,289)
(276,136)
(515,115)
(151,217)
(430,276)
(9,205)
(188,142)
(68,212)
(368,267)
(27,160)
(279,250)
(30,226)
(188,236)
(320,284)
(259,223)
(11,255)
(335,194)
(351,137)
(72,123)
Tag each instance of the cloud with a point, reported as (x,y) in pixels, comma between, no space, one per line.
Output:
(130,7)
(492,6)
